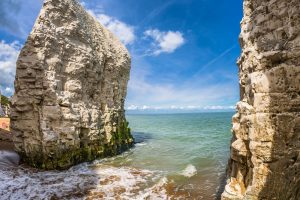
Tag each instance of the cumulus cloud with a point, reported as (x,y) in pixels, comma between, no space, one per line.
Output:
(122,30)
(165,42)
(8,57)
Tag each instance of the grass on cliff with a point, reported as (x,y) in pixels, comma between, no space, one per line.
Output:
(4,100)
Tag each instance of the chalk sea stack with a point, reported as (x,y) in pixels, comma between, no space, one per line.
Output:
(265,149)
(70,88)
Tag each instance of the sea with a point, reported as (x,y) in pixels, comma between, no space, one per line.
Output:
(176,156)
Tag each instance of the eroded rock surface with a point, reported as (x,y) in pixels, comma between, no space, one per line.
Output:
(70,88)
(265,149)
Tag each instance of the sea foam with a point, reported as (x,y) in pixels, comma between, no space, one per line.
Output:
(84,181)
(189,171)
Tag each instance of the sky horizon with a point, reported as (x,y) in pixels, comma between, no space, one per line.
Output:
(184,52)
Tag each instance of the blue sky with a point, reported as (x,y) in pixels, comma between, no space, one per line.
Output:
(183,52)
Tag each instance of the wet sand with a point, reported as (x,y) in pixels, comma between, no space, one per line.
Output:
(5,145)
(6,140)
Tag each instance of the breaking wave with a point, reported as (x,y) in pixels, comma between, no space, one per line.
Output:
(82,182)
(189,171)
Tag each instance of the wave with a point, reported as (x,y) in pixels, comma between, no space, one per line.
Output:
(140,144)
(189,171)
(82,182)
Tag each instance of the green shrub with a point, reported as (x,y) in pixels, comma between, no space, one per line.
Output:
(4,100)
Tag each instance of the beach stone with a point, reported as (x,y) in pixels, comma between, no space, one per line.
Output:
(265,150)
(8,159)
(70,88)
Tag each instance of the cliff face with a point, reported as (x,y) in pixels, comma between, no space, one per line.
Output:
(265,149)
(70,88)
(1,110)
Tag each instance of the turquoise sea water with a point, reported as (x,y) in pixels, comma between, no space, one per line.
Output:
(176,156)
(191,150)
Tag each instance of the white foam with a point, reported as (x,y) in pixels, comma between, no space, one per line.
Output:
(141,144)
(189,171)
(156,192)
(98,181)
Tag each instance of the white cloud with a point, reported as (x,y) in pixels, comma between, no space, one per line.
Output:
(165,42)
(122,30)
(8,90)
(132,107)
(201,93)
(186,94)
(8,57)
(182,108)
(219,107)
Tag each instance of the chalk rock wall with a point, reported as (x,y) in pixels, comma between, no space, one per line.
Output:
(70,88)
(265,149)
(1,109)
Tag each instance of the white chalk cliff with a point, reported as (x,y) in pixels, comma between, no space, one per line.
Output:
(70,88)
(265,149)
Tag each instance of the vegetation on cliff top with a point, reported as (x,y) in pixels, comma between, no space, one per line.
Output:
(4,100)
